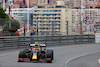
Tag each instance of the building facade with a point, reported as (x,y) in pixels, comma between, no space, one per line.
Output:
(18,1)
(90,14)
(51,20)
(92,3)
(32,3)
(46,2)
(15,6)
(85,3)
(97,27)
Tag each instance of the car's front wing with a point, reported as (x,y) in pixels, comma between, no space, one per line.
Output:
(28,60)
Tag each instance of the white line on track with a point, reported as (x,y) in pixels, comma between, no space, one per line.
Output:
(4,54)
(11,53)
(47,48)
(1,55)
(8,54)
(99,61)
(78,57)
(16,52)
(74,58)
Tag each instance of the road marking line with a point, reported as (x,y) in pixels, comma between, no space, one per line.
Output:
(77,57)
(17,52)
(9,54)
(74,58)
(1,55)
(47,48)
(99,61)
(13,53)
(61,47)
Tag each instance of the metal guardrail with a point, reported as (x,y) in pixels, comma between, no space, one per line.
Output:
(21,41)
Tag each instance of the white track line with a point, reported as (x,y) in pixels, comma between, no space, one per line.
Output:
(1,55)
(99,61)
(74,58)
(8,54)
(47,48)
(78,57)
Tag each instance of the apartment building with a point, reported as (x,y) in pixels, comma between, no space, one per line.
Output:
(18,1)
(93,14)
(1,1)
(15,5)
(75,3)
(6,5)
(32,3)
(51,20)
(97,27)
(92,3)
(46,2)
(85,3)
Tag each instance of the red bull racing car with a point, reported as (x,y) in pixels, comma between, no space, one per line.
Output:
(37,53)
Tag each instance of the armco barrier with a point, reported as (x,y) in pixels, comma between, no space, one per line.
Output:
(21,41)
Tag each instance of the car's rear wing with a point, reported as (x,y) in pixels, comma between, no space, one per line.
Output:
(41,45)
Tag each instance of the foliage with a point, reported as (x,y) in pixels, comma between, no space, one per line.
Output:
(3,14)
(14,25)
(3,17)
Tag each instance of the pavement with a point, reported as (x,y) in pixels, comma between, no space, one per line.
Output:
(9,58)
(90,60)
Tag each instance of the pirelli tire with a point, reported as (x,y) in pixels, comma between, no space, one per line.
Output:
(22,54)
(49,54)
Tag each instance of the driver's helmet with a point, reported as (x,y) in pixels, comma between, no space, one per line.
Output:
(36,47)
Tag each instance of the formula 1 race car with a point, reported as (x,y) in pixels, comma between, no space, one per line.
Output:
(37,53)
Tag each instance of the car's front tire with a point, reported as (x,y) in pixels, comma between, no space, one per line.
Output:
(49,54)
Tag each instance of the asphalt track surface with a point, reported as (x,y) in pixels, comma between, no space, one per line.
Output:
(90,60)
(9,58)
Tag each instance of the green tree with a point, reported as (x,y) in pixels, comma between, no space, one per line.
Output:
(3,17)
(14,25)
(3,14)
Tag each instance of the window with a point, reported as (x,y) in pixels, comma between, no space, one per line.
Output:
(91,0)
(59,14)
(55,14)
(59,10)
(44,10)
(40,1)
(37,18)
(43,1)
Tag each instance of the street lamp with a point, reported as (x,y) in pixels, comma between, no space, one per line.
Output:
(28,16)
(81,19)
(3,4)
(9,18)
(10,4)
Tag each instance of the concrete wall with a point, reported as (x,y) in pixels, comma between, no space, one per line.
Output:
(97,38)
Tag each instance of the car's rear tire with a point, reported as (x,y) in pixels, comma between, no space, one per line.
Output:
(49,54)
